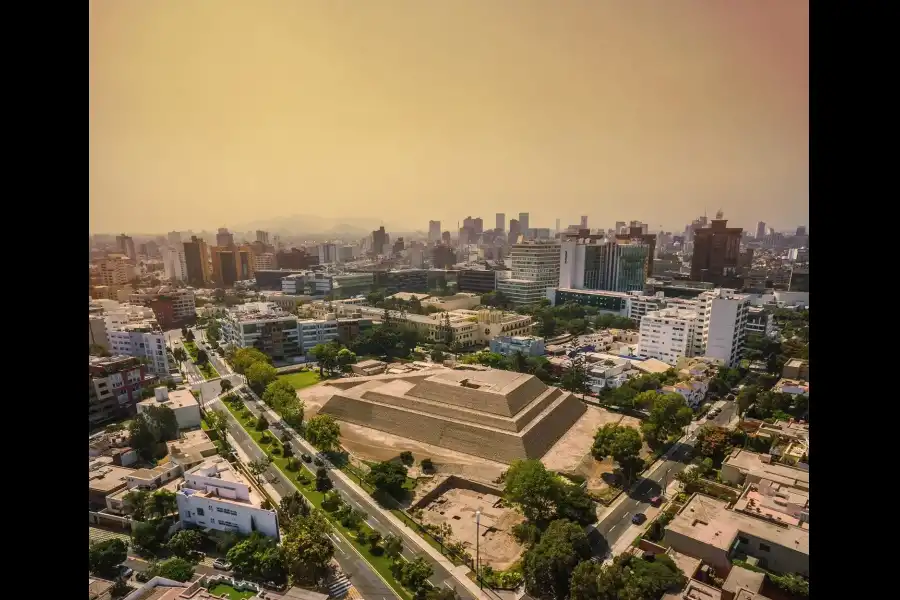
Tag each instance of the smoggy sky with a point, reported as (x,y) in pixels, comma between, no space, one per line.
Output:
(210,113)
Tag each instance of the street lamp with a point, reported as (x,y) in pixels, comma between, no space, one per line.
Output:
(478,547)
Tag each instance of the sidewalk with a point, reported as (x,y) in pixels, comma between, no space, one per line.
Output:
(634,530)
(459,572)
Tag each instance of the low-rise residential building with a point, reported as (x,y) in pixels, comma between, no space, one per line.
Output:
(171,306)
(159,476)
(693,391)
(760,321)
(191,449)
(796,368)
(791,386)
(182,403)
(216,496)
(705,528)
(528,345)
(116,383)
(105,479)
(743,466)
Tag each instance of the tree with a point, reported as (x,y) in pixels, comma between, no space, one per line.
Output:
(548,566)
(575,378)
(324,433)
(388,477)
(518,362)
(713,442)
(259,375)
(174,568)
(323,482)
(226,385)
(746,397)
(217,422)
(148,536)
(262,423)
(406,457)
(308,549)
(620,442)
(577,326)
(247,555)
(134,502)
(142,438)
(393,546)
(163,422)
(202,357)
(104,557)
(185,543)
(327,357)
(345,358)
(668,416)
(374,538)
(120,589)
(437,356)
(292,507)
(259,466)
(159,504)
(576,505)
(179,354)
(189,335)
(427,465)
(533,488)
(244,358)
(278,394)
(213,331)
(415,573)
(98,350)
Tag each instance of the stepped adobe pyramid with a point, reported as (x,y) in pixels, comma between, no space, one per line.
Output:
(498,415)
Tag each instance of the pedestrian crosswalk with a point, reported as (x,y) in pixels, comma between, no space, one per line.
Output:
(340,587)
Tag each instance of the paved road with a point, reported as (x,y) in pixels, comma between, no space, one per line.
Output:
(616,522)
(440,576)
(358,570)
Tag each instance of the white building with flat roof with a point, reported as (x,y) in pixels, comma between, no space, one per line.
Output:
(668,334)
(182,403)
(215,496)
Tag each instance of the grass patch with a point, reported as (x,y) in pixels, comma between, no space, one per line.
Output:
(220,589)
(301,379)
(191,348)
(380,563)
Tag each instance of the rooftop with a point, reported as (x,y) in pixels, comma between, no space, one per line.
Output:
(651,365)
(709,521)
(754,464)
(108,478)
(743,579)
(177,399)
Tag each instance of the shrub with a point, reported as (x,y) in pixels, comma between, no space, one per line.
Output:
(406,457)
(427,465)
(261,423)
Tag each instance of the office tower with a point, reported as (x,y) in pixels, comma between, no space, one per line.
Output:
(327,254)
(416,255)
(801,231)
(398,246)
(639,233)
(224,238)
(583,222)
(514,231)
(442,256)
(501,222)
(716,252)
(262,237)
(174,238)
(620,225)
(760,230)
(536,262)
(598,263)
(196,258)
(434,231)
(126,246)
(523,223)
(379,241)
(296,258)
(557,225)
(231,264)
(174,263)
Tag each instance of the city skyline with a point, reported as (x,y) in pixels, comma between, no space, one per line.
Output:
(203,115)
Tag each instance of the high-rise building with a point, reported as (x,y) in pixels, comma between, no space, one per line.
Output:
(434,231)
(442,256)
(523,223)
(231,264)
(598,263)
(537,262)
(636,232)
(801,231)
(583,222)
(115,270)
(174,262)
(264,261)
(620,225)
(445,237)
(126,246)
(716,252)
(760,230)
(196,259)
(327,254)
(296,258)
(262,237)
(174,238)
(501,222)
(557,225)
(224,238)
(380,241)
(514,231)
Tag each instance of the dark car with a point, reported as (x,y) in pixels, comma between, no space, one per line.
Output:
(655,501)
(306,457)
(638,518)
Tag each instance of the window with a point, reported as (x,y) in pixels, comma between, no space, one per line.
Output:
(764,547)
(742,540)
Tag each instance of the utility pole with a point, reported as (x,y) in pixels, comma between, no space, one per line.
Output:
(478,548)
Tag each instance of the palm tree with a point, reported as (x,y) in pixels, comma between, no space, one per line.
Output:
(160,503)
(134,502)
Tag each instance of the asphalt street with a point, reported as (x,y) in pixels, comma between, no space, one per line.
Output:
(441,576)
(615,523)
(369,584)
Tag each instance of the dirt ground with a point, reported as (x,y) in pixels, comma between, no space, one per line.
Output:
(497,546)
(374,445)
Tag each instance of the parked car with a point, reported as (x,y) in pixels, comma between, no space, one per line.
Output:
(125,572)
(655,501)
(638,518)
(271,585)
(221,564)
(306,457)
(318,462)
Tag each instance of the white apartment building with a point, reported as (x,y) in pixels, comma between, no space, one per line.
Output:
(182,403)
(328,254)
(115,270)
(142,339)
(184,305)
(174,264)
(264,326)
(668,334)
(215,496)
(715,321)
(521,292)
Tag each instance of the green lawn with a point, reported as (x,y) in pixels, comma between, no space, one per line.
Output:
(301,379)
(380,563)
(221,589)
(191,348)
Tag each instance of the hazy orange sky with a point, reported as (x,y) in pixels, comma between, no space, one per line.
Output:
(210,113)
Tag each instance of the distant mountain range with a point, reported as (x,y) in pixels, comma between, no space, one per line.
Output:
(297,224)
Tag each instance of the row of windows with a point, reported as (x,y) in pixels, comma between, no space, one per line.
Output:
(226,511)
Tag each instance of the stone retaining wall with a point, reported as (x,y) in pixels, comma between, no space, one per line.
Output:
(455,482)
